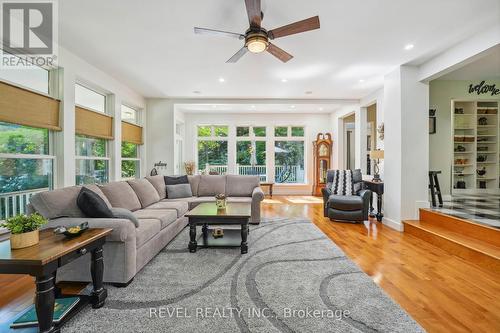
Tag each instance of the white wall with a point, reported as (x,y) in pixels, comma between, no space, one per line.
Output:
(406,148)
(161,133)
(314,124)
(74,69)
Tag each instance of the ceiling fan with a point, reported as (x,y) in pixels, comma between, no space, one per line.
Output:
(257,38)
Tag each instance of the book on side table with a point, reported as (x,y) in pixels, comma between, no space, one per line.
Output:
(62,307)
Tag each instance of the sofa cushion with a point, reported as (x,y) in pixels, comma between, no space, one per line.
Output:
(97,189)
(148,228)
(240,199)
(158,183)
(57,203)
(211,185)
(145,191)
(241,186)
(198,200)
(92,205)
(194,180)
(180,206)
(179,191)
(345,202)
(121,194)
(123,213)
(175,180)
(123,230)
(166,216)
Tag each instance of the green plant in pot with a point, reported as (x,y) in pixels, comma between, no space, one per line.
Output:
(24,229)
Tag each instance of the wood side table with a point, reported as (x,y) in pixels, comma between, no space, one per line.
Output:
(270,185)
(42,261)
(376,187)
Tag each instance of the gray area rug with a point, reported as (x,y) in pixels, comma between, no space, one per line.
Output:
(293,279)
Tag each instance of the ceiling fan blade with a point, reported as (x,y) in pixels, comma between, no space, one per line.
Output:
(237,55)
(295,28)
(204,31)
(254,13)
(279,53)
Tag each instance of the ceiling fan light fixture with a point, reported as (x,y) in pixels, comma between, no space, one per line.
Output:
(257,44)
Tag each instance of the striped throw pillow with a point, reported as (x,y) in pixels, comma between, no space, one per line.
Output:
(342,182)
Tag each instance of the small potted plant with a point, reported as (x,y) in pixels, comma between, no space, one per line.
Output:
(24,229)
(220,201)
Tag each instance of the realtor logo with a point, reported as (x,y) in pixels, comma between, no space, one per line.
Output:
(28,32)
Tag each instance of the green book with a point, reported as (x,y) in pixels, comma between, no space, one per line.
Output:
(61,308)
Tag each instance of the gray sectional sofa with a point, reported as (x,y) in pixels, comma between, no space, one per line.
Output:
(129,247)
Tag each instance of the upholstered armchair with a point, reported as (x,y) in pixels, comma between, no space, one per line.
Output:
(347,208)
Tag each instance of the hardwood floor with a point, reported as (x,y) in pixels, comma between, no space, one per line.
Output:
(442,292)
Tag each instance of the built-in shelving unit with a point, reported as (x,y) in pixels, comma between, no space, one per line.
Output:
(476,155)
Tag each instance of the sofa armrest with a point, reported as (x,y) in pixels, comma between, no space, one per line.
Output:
(366,195)
(123,229)
(258,194)
(326,194)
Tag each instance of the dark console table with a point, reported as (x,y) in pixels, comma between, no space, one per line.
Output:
(42,261)
(378,188)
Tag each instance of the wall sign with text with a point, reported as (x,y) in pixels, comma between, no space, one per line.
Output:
(483,88)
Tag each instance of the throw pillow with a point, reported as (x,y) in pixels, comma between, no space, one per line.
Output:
(91,204)
(170,180)
(123,213)
(342,183)
(179,191)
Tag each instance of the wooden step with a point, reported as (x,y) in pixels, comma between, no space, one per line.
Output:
(452,239)
(468,228)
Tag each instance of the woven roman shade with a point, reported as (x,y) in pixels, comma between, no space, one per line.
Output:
(131,133)
(24,107)
(94,124)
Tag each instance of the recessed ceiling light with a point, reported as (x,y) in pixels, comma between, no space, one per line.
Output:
(309,92)
(361,80)
(253,106)
(408,47)
(292,106)
(284,80)
(321,109)
(221,79)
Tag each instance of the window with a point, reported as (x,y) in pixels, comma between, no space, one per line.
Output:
(251,158)
(289,155)
(35,78)
(281,131)
(130,160)
(90,99)
(92,163)
(250,152)
(259,131)
(25,166)
(212,149)
(129,114)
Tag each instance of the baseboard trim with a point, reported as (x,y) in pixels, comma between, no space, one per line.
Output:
(393,224)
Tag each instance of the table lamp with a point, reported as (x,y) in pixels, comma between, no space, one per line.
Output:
(376,155)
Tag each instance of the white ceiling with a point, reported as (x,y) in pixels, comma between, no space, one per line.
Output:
(150,45)
(267,108)
(487,67)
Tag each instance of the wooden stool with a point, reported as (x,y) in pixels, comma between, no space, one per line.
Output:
(435,189)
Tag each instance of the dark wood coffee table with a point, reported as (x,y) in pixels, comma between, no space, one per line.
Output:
(206,214)
(42,261)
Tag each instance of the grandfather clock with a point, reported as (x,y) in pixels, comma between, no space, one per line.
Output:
(322,150)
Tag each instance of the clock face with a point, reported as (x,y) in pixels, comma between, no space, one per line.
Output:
(323,150)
